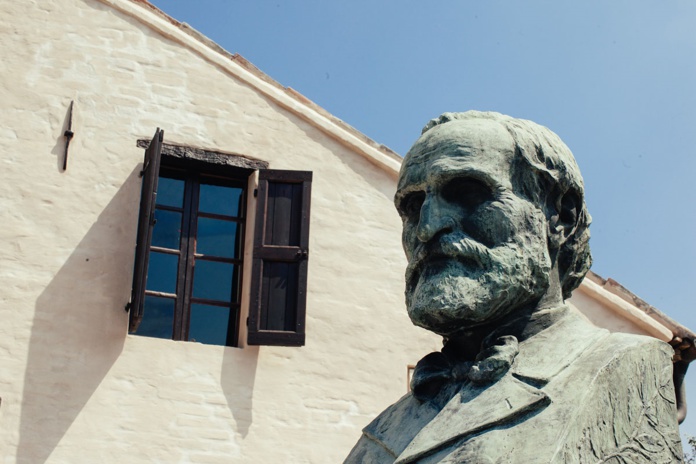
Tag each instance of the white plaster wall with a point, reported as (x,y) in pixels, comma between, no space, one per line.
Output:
(601,316)
(609,310)
(75,388)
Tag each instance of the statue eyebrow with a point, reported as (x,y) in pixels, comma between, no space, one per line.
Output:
(447,175)
(403,192)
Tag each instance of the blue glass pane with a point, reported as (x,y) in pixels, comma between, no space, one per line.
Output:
(170,192)
(217,238)
(162,272)
(219,200)
(158,317)
(209,324)
(167,230)
(212,280)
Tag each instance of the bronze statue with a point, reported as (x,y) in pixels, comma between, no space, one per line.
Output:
(496,234)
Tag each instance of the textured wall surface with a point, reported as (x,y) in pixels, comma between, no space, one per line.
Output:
(75,387)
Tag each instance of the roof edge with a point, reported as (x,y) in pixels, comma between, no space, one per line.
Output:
(626,310)
(614,288)
(237,66)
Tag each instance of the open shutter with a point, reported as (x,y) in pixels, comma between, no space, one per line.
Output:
(146,220)
(279,269)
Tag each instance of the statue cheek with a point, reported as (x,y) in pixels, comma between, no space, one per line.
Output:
(493,224)
(408,239)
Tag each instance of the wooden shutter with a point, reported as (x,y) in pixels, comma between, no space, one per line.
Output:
(146,219)
(279,269)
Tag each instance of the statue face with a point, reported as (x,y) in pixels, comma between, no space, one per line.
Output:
(476,249)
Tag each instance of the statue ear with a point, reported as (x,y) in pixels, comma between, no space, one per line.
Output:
(564,219)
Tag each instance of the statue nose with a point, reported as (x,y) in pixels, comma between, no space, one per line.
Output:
(433,220)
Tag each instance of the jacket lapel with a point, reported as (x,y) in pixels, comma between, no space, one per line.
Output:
(412,430)
(473,410)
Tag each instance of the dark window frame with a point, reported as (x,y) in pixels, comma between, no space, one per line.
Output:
(188,256)
(146,218)
(230,169)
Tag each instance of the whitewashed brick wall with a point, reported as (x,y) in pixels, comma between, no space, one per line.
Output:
(75,387)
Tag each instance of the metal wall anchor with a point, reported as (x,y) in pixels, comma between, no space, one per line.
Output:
(68,135)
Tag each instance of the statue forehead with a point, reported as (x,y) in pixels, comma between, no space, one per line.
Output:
(453,142)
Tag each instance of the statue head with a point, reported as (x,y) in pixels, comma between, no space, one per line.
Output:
(494,221)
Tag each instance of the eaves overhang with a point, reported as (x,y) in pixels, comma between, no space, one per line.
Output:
(626,304)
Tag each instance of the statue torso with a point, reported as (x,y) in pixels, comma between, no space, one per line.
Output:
(551,406)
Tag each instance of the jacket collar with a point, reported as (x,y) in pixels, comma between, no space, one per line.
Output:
(545,354)
(474,410)
(519,393)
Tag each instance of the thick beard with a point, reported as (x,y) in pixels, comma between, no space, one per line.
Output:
(451,295)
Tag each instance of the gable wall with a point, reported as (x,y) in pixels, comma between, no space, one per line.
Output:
(74,386)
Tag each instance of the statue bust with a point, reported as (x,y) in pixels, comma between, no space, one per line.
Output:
(496,233)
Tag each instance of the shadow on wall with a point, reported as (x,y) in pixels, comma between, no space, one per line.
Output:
(237,379)
(78,329)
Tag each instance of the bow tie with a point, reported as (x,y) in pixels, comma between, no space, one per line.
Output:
(436,370)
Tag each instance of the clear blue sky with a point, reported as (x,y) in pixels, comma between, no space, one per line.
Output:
(616,80)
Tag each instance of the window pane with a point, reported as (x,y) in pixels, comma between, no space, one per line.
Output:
(158,317)
(209,324)
(167,229)
(161,273)
(279,304)
(170,192)
(217,237)
(213,280)
(220,200)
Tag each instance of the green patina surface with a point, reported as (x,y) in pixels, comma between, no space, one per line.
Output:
(496,234)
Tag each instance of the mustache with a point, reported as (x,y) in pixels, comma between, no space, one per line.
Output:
(460,247)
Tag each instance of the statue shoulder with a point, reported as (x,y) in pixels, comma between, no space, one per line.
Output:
(627,352)
(629,406)
(390,433)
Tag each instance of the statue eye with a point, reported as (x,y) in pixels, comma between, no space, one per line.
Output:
(466,192)
(411,205)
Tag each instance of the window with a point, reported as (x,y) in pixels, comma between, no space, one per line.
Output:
(189,256)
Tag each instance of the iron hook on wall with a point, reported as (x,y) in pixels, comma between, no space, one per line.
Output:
(68,135)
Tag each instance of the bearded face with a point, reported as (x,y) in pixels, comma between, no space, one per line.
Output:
(476,249)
